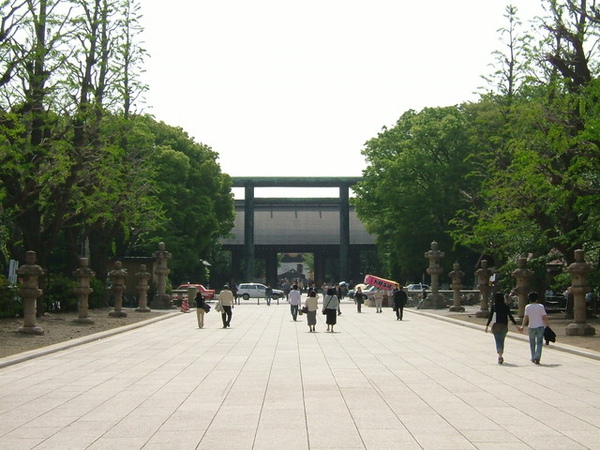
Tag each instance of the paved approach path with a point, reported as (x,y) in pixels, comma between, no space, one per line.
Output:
(267,383)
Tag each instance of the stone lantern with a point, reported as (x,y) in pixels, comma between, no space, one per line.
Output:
(30,272)
(435,299)
(579,287)
(522,275)
(456,286)
(117,277)
(483,279)
(162,300)
(83,275)
(142,287)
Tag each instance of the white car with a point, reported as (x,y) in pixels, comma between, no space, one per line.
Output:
(417,288)
(256,290)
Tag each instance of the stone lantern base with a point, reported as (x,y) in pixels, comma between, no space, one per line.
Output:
(482,314)
(162,302)
(30,330)
(84,320)
(142,309)
(434,301)
(580,329)
(115,313)
(457,309)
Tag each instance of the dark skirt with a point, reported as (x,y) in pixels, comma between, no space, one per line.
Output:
(331,316)
(311,317)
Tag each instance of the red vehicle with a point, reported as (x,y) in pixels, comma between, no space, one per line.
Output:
(182,291)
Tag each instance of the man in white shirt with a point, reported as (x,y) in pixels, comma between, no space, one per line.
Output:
(537,319)
(295,298)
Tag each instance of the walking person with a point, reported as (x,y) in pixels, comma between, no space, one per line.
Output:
(227,302)
(500,326)
(312,305)
(400,301)
(537,319)
(378,297)
(330,308)
(201,308)
(339,294)
(359,299)
(295,298)
(268,294)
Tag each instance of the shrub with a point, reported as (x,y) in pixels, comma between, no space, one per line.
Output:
(10,303)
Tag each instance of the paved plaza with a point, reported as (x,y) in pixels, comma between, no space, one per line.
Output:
(267,383)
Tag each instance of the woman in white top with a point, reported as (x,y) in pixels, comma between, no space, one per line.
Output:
(330,308)
(312,304)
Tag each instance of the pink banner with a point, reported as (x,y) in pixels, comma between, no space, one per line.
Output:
(381,283)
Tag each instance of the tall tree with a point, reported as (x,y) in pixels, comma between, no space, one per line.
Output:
(412,186)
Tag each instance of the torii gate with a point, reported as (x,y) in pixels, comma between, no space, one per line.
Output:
(250,183)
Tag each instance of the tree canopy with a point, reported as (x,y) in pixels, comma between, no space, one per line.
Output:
(82,167)
(515,173)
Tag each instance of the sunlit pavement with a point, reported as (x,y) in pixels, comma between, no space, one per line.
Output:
(267,383)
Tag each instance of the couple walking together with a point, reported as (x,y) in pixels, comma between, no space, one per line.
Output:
(535,316)
(330,309)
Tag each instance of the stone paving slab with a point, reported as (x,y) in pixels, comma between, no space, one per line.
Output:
(267,383)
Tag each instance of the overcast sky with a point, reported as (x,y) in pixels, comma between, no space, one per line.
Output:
(296,88)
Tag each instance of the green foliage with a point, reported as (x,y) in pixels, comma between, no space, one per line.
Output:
(10,305)
(196,198)
(97,299)
(413,185)
(59,294)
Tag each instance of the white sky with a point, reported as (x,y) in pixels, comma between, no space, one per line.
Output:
(294,88)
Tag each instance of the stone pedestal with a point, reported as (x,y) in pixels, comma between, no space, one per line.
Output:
(29,291)
(456,286)
(142,288)
(117,277)
(434,300)
(162,300)
(579,287)
(522,275)
(83,290)
(483,277)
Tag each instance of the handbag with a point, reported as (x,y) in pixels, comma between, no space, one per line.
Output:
(206,307)
(304,310)
(219,307)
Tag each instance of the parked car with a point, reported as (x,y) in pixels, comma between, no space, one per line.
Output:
(417,288)
(256,290)
(365,288)
(181,293)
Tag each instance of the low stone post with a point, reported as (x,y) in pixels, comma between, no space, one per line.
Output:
(142,287)
(83,275)
(435,299)
(29,291)
(579,287)
(483,277)
(117,277)
(522,275)
(456,286)
(162,300)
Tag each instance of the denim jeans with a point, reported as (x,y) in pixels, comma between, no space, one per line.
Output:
(294,311)
(499,338)
(536,338)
